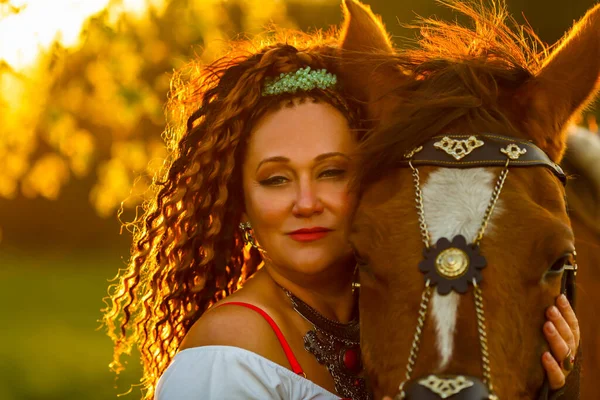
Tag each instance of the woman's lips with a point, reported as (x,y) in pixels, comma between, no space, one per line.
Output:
(309,235)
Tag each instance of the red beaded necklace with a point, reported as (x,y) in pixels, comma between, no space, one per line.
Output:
(336,346)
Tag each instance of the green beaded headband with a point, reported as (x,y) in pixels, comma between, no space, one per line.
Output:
(303,79)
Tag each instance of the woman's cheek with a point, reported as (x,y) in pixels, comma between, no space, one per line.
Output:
(272,205)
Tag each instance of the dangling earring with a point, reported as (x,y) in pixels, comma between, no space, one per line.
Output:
(247,235)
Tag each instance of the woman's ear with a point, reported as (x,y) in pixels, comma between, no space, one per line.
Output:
(567,82)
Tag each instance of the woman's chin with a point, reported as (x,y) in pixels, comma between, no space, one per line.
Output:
(314,261)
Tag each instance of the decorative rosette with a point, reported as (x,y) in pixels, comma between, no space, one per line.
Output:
(452,265)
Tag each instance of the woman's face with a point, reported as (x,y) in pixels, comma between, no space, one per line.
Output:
(295,178)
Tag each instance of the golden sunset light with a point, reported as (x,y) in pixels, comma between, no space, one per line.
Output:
(36,24)
(126,128)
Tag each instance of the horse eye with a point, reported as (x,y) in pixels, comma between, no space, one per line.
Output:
(559,265)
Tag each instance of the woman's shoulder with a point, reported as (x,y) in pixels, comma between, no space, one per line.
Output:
(227,324)
(218,372)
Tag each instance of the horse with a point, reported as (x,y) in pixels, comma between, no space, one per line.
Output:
(462,233)
(582,162)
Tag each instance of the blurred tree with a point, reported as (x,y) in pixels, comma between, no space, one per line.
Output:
(97,109)
(8,8)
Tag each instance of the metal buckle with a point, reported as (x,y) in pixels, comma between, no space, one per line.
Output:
(571,267)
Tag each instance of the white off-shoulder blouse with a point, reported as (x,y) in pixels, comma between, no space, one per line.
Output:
(227,372)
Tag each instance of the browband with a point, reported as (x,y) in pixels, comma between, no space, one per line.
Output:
(483,150)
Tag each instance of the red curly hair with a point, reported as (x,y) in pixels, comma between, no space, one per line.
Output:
(187,253)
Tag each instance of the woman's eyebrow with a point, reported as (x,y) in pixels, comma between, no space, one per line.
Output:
(273,159)
(324,156)
(320,157)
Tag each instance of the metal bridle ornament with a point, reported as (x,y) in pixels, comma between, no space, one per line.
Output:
(453,265)
(458,148)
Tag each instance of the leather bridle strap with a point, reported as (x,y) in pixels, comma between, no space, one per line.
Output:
(484,150)
(567,287)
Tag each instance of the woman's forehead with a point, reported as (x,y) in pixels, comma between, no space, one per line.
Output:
(303,129)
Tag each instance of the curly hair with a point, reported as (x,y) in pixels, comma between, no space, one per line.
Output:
(187,253)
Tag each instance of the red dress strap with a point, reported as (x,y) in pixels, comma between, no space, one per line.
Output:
(284,344)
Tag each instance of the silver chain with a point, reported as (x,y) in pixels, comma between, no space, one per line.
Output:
(481,329)
(492,204)
(420,208)
(414,349)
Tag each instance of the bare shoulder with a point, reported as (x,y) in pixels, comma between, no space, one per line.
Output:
(236,326)
(228,326)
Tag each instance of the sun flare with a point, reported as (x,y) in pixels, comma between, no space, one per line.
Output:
(35,24)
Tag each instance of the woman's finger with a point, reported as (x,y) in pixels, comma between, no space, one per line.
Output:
(558,346)
(569,315)
(561,325)
(556,376)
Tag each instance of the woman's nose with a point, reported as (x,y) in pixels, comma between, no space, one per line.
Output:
(308,201)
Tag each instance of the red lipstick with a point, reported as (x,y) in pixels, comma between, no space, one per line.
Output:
(309,234)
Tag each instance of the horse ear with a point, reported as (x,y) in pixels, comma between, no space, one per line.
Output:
(363,31)
(363,38)
(567,82)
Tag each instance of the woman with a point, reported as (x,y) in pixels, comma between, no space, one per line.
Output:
(269,149)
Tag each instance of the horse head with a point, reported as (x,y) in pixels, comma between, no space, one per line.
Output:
(462,234)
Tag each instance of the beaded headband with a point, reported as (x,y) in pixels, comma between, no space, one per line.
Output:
(303,79)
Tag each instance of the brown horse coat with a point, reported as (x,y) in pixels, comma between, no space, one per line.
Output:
(463,80)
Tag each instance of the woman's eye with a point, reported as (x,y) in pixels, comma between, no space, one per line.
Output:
(274,181)
(332,173)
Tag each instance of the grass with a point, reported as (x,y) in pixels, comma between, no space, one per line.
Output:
(51,347)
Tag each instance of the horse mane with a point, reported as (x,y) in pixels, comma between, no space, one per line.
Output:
(458,79)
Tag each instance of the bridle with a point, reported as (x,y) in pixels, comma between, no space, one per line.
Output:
(452,264)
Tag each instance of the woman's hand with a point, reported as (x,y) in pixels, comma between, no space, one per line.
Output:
(562,333)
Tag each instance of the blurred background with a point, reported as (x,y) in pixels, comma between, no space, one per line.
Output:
(82,89)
